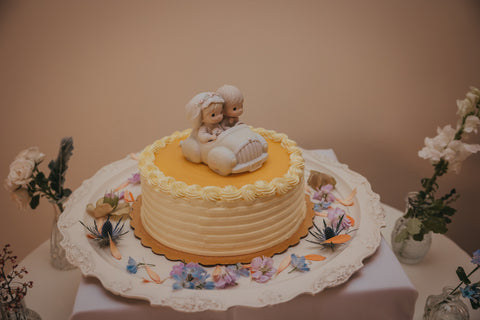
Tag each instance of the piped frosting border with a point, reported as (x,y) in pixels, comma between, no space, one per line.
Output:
(249,192)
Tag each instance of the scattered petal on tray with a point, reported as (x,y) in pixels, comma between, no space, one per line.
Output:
(153,275)
(348,201)
(314,257)
(284,264)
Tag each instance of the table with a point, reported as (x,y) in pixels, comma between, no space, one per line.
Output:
(53,294)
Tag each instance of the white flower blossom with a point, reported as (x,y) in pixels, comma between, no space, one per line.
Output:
(21,197)
(444,146)
(471,124)
(20,172)
(476,92)
(457,151)
(435,147)
(465,107)
(32,153)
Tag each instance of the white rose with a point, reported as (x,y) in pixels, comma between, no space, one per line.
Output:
(22,198)
(32,153)
(464,107)
(20,172)
(471,124)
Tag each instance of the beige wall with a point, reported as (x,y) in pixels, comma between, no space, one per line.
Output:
(369,79)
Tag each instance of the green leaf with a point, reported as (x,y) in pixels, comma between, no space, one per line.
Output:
(35,201)
(414,225)
(418,236)
(402,236)
(41,180)
(462,275)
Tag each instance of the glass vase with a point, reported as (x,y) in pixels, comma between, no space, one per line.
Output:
(446,306)
(20,312)
(409,251)
(58,257)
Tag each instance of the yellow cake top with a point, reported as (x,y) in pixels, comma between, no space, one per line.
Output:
(182,178)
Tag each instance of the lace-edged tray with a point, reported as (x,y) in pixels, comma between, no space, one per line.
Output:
(337,268)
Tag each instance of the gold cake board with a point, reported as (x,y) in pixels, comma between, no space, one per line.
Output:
(172,254)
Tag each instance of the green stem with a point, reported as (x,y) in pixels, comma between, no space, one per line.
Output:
(468,276)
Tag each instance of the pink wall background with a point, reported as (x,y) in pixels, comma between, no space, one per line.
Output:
(370,79)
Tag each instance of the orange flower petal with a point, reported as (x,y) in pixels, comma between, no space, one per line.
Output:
(129,197)
(314,257)
(90,236)
(153,275)
(284,264)
(341,238)
(352,221)
(321,214)
(120,187)
(114,250)
(348,201)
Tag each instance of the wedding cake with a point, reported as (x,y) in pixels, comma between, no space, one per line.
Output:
(222,189)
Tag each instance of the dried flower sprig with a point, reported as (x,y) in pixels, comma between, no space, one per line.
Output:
(12,291)
(445,151)
(27,183)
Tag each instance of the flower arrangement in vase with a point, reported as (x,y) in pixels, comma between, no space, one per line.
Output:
(27,184)
(426,212)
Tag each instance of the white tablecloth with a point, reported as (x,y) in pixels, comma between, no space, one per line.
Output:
(381,283)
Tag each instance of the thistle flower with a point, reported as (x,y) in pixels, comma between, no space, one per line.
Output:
(329,236)
(102,238)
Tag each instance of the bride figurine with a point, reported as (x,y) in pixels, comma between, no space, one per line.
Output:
(205,111)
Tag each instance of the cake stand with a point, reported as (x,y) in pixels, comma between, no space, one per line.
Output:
(337,268)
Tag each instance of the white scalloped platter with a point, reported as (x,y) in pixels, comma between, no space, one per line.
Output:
(337,268)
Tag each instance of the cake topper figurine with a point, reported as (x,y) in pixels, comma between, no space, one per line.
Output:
(233,106)
(205,111)
(218,138)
